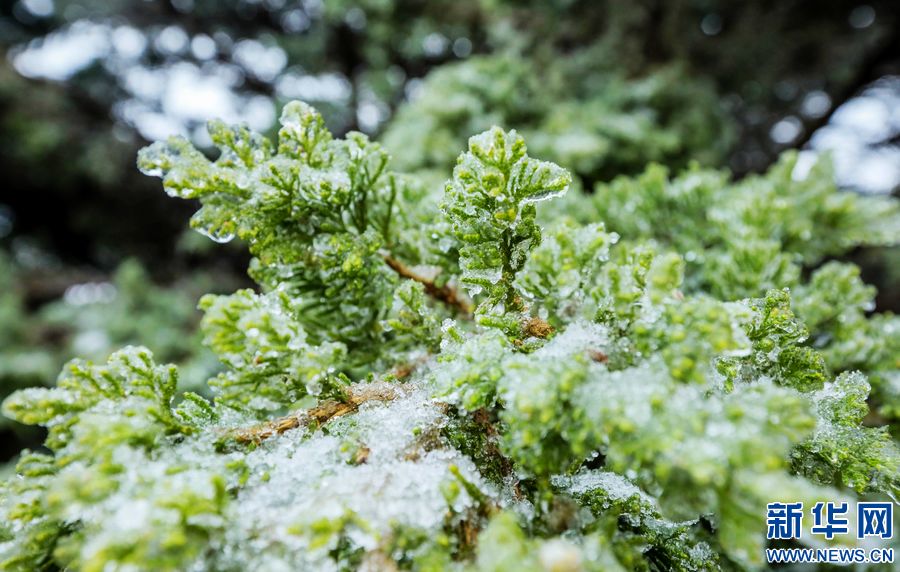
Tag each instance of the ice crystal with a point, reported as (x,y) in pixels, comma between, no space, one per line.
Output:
(601,402)
(490,202)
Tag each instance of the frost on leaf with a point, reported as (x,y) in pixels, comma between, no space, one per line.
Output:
(561,272)
(270,364)
(315,213)
(613,402)
(778,352)
(842,452)
(130,393)
(490,203)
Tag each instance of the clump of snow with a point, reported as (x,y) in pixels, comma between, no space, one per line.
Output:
(578,337)
(614,485)
(302,477)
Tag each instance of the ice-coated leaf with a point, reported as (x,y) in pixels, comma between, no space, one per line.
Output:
(629,393)
(490,205)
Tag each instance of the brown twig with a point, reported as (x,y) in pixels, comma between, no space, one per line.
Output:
(356,395)
(535,327)
(443,293)
(320,414)
(361,455)
(598,356)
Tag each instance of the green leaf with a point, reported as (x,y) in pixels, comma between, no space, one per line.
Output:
(490,204)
